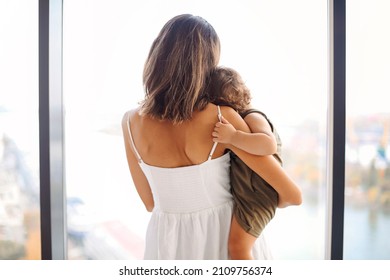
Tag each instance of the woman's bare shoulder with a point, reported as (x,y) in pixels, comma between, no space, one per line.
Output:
(129,116)
(132,112)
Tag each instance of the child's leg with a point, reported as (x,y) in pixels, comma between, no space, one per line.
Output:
(240,242)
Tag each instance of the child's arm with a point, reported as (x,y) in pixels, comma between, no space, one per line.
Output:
(260,142)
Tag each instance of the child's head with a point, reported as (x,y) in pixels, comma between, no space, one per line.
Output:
(227,88)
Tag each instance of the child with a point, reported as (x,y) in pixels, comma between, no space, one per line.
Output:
(255,201)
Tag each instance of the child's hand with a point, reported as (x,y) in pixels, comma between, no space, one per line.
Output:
(224,132)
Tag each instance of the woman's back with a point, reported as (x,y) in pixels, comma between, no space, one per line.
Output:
(164,144)
(181,162)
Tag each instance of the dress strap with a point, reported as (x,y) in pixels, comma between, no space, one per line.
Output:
(131,139)
(215,143)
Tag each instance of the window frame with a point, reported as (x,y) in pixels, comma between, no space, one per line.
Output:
(51,132)
(336,129)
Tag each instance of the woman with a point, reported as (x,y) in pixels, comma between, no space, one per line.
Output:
(179,173)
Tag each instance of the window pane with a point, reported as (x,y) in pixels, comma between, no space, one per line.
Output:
(19,133)
(282,58)
(367,194)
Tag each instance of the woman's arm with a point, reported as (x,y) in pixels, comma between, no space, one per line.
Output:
(265,166)
(261,141)
(139,179)
(271,171)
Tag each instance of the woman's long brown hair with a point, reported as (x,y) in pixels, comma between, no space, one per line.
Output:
(178,68)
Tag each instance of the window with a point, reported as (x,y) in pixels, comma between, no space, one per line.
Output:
(367,186)
(19,133)
(281,54)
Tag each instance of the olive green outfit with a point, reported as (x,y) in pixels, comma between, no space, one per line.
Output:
(255,201)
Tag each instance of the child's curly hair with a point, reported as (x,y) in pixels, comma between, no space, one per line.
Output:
(226,88)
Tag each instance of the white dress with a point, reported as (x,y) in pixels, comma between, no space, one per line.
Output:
(192,211)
